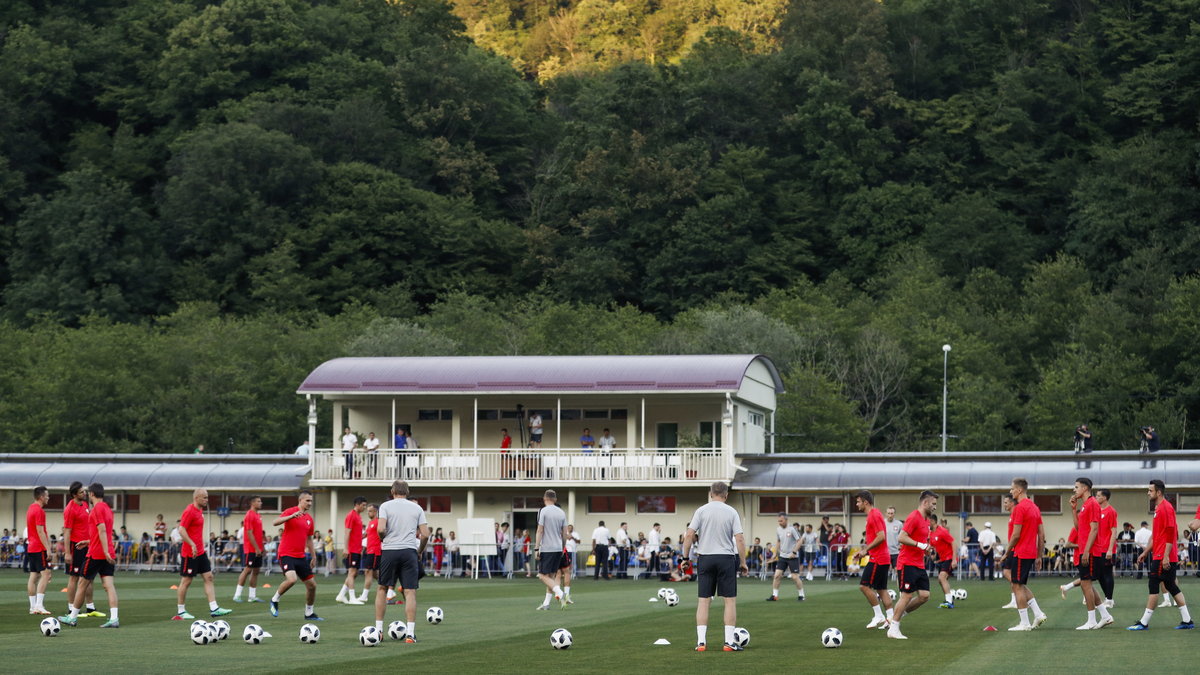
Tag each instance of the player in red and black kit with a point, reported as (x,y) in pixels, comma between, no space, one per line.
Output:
(294,544)
(1091,554)
(1164,558)
(947,558)
(373,551)
(75,533)
(875,575)
(37,547)
(253,548)
(193,559)
(910,564)
(354,535)
(1024,549)
(1106,545)
(101,559)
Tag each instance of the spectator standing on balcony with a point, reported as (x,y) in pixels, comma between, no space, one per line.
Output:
(505,441)
(600,537)
(349,442)
(199,450)
(607,442)
(587,441)
(400,441)
(535,430)
(372,447)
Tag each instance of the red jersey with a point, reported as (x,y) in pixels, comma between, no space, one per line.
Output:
(374,545)
(1108,521)
(252,532)
(1073,538)
(1165,530)
(355,525)
(875,527)
(98,549)
(1029,517)
(506,442)
(943,543)
(1010,524)
(293,543)
(75,519)
(192,522)
(917,528)
(34,518)
(1090,513)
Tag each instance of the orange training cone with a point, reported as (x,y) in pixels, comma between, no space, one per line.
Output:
(266,585)
(174,587)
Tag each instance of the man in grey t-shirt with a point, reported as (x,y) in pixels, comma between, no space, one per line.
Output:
(403,534)
(551,531)
(787,544)
(892,527)
(722,553)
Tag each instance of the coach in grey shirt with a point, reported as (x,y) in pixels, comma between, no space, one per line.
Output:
(551,531)
(892,527)
(403,534)
(722,552)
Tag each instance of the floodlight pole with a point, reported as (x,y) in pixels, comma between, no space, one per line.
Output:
(945,365)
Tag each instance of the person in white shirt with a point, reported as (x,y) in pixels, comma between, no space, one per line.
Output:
(304,449)
(622,539)
(349,442)
(571,542)
(372,447)
(607,442)
(654,540)
(600,537)
(987,543)
(535,430)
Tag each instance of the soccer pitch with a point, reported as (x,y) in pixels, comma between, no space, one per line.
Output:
(491,626)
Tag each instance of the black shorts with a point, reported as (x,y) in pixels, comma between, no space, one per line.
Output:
(568,561)
(912,578)
(352,561)
(875,576)
(35,562)
(370,561)
(1088,571)
(251,560)
(946,566)
(78,558)
(1010,563)
(1104,567)
(1163,573)
(784,564)
(298,565)
(1021,568)
(550,562)
(536,438)
(92,567)
(717,574)
(401,568)
(190,567)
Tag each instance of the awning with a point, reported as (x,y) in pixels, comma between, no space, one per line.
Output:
(154,472)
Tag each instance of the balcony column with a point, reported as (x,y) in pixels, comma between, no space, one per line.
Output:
(772,432)
(455,432)
(475,429)
(337,425)
(571,506)
(558,423)
(333,514)
(470,503)
(392,431)
(642,420)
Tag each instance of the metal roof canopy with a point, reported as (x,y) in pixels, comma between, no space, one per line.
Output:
(154,472)
(844,472)
(502,374)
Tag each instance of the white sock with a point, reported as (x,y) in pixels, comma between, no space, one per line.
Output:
(412,629)
(74,612)
(275,598)
(1091,616)
(800,592)
(213,606)
(391,594)
(1024,614)
(70,608)
(237,592)
(342,591)
(32,602)
(1146,617)
(567,592)
(558,592)
(774,592)
(729,634)
(890,612)
(1037,611)
(549,597)
(308,609)
(182,608)
(91,606)
(253,592)
(1103,611)
(379,625)
(40,598)
(1065,587)
(878,611)
(1012,598)
(1184,613)
(113,611)
(950,598)
(701,632)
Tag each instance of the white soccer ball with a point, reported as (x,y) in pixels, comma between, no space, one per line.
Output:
(253,634)
(741,637)
(960,594)
(309,634)
(672,599)
(892,594)
(222,627)
(397,630)
(561,638)
(434,615)
(369,636)
(662,593)
(202,633)
(831,638)
(50,626)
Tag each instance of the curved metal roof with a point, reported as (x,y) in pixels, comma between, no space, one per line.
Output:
(836,472)
(154,472)
(496,374)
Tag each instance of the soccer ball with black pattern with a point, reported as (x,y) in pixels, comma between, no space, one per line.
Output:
(397,630)
(831,638)
(561,638)
(434,615)
(50,626)
(310,634)
(741,637)
(369,636)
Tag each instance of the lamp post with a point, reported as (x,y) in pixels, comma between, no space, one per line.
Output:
(945,364)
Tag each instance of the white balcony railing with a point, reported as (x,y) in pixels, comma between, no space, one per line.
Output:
(547,465)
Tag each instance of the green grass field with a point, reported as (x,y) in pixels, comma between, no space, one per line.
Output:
(491,626)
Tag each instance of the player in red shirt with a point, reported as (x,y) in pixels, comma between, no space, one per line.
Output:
(253,546)
(101,559)
(1164,558)
(1087,527)
(37,547)
(193,558)
(1025,546)
(296,554)
(353,526)
(372,553)
(910,564)
(875,575)
(76,537)
(947,558)
(1006,503)
(1106,545)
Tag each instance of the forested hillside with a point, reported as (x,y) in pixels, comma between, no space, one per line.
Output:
(200,202)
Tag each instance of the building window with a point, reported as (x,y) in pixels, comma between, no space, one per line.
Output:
(288,501)
(571,414)
(486,415)
(951,504)
(595,414)
(510,414)
(801,504)
(831,504)
(756,418)
(710,434)
(618,414)
(434,415)
(56,503)
(656,504)
(793,505)
(987,503)
(1049,503)
(433,504)
(606,505)
(527,503)
(241,503)
(771,505)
